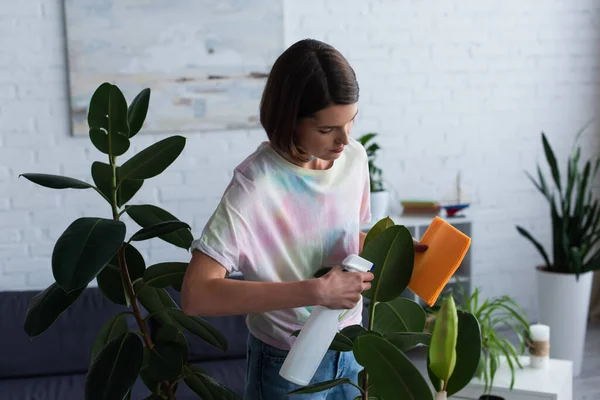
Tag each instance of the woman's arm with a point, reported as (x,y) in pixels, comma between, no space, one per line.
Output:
(205,291)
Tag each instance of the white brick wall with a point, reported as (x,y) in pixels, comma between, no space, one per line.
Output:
(449,85)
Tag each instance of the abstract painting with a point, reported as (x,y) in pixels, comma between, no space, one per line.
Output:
(206,61)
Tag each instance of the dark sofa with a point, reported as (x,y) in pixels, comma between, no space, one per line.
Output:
(53,365)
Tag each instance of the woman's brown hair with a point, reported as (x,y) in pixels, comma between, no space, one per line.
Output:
(309,76)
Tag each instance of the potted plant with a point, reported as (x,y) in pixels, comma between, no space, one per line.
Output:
(565,279)
(96,248)
(494,314)
(396,325)
(380,197)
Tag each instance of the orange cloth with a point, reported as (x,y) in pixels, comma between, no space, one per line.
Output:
(434,267)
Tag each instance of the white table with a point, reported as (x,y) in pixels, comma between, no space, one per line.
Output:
(553,383)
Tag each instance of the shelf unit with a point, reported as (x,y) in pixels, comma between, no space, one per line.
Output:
(417,225)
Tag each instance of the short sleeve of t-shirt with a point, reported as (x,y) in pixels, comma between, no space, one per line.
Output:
(223,236)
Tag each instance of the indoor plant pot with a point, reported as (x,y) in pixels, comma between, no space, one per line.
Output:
(380,201)
(564,280)
(380,197)
(562,305)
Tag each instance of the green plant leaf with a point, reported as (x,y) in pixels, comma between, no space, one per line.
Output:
(154,159)
(339,342)
(405,341)
(138,109)
(537,244)
(468,352)
(399,315)
(166,274)
(109,280)
(84,248)
(551,161)
(200,328)
(320,386)
(392,253)
(102,175)
(115,369)
(207,387)
(156,301)
(46,306)
(353,331)
(321,271)
(442,348)
(161,228)
(112,329)
(147,215)
(392,374)
(379,227)
(169,354)
(56,181)
(107,119)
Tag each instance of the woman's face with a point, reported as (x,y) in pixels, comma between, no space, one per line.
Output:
(325,134)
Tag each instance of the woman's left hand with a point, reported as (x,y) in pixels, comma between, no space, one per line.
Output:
(419,248)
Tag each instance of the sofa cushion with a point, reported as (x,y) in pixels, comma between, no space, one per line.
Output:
(55,387)
(64,348)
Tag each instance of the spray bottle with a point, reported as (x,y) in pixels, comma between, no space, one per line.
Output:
(316,336)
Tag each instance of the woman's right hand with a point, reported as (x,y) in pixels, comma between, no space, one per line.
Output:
(340,289)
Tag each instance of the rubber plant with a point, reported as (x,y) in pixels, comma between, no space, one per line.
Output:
(396,325)
(96,247)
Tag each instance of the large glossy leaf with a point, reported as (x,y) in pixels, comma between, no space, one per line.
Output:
(157,302)
(115,369)
(200,328)
(154,159)
(84,248)
(107,119)
(405,341)
(56,181)
(102,175)
(442,348)
(45,307)
(147,215)
(138,109)
(379,227)
(112,329)
(320,386)
(109,280)
(393,375)
(468,355)
(399,315)
(159,229)
(166,274)
(169,354)
(392,253)
(207,387)
(339,343)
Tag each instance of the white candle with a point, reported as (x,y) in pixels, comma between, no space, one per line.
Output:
(539,332)
(540,335)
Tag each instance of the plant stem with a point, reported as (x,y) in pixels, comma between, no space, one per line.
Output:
(365,382)
(130,292)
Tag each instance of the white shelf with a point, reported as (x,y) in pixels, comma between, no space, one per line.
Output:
(417,225)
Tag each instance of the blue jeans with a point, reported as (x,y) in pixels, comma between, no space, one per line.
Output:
(263,381)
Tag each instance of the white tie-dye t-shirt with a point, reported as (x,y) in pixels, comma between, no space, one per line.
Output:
(278,222)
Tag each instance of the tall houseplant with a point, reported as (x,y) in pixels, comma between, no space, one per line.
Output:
(397,325)
(380,197)
(97,248)
(564,281)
